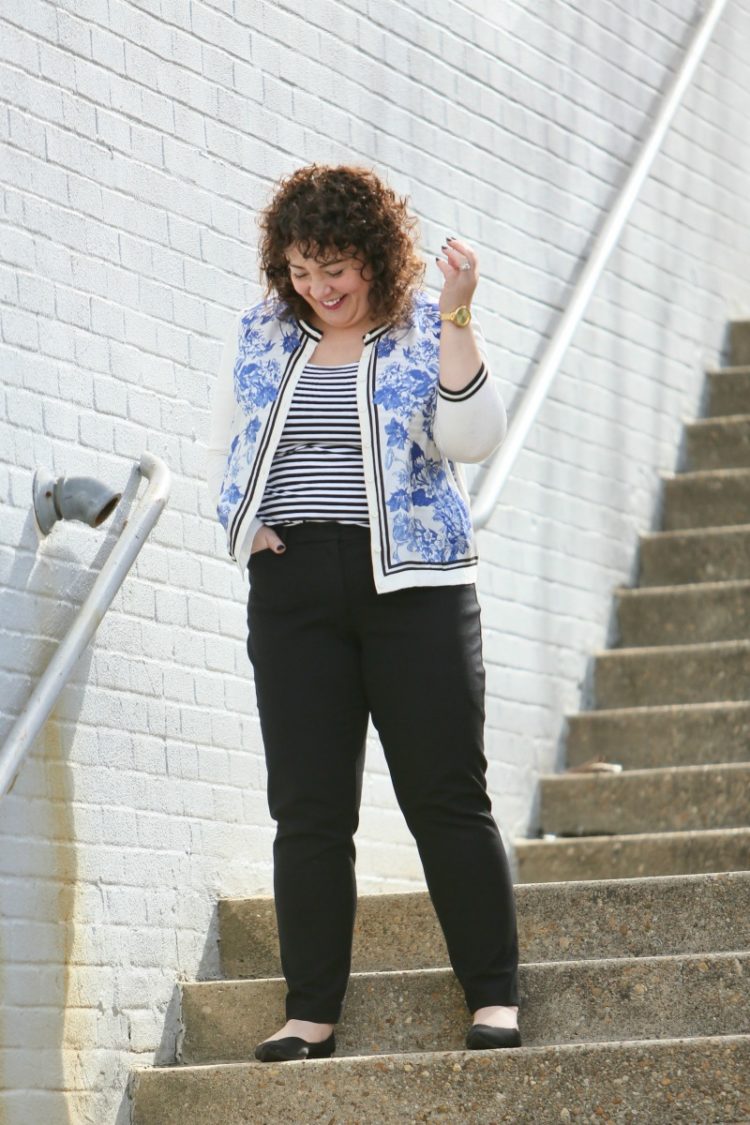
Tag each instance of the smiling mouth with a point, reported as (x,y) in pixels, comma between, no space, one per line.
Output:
(335,305)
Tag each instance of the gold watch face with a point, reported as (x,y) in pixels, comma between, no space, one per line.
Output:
(462,316)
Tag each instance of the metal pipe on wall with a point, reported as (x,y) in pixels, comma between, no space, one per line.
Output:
(110,578)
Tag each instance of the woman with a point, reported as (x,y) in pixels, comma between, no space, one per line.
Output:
(345,402)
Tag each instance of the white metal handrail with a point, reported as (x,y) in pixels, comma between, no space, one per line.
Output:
(108,582)
(501,464)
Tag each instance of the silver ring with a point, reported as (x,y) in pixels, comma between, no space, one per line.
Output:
(466,266)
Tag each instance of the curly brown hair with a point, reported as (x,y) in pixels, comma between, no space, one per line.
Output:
(323,209)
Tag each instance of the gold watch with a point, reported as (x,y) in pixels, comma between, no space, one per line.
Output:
(460,316)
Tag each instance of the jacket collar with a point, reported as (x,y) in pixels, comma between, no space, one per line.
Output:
(317,334)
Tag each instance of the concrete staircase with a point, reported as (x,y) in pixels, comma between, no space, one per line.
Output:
(634,919)
(673,698)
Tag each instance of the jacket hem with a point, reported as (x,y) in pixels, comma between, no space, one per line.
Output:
(417,576)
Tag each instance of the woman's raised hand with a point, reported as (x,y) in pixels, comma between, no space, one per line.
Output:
(460,281)
(265,538)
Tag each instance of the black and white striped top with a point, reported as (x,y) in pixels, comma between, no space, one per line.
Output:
(317,471)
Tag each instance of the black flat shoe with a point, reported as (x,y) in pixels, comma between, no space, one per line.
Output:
(482,1037)
(291,1048)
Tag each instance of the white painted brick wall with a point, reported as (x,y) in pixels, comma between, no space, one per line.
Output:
(140,137)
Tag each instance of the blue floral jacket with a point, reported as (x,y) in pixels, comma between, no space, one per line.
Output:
(414,434)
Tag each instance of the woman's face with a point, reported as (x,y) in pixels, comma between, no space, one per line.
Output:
(335,290)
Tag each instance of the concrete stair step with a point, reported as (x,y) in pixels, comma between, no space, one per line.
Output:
(697,1081)
(556,921)
(729,391)
(698,673)
(633,856)
(718,443)
(674,735)
(739,341)
(684,615)
(691,798)
(424,1010)
(715,498)
(671,558)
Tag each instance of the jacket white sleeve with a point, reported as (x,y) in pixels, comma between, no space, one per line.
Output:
(470,423)
(223,403)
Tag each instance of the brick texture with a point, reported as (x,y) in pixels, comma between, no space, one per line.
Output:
(139,139)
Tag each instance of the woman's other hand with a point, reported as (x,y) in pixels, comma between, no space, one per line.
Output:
(460,281)
(266,539)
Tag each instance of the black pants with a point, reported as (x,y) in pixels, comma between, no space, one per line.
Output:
(327,652)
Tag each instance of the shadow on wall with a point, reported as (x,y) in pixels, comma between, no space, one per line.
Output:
(37,906)
(169,1050)
(40,1058)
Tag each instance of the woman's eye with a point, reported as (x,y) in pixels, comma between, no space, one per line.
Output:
(334,273)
